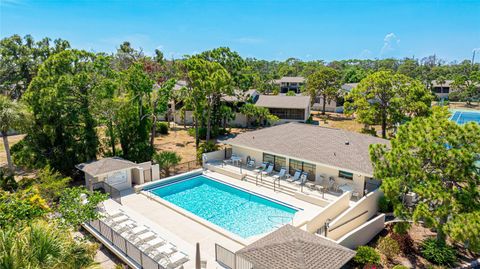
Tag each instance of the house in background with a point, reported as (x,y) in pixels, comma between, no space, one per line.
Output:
(442,90)
(324,153)
(287,84)
(118,173)
(286,108)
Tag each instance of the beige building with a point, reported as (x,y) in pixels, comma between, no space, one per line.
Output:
(286,108)
(324,153)
(118,173)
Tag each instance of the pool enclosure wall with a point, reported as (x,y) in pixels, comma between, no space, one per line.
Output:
(316,170)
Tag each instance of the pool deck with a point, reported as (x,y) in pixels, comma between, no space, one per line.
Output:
(184,229)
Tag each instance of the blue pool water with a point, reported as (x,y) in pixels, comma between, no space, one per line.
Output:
(233,209)
(463,116)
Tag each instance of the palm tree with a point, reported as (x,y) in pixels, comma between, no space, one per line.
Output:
(12,115)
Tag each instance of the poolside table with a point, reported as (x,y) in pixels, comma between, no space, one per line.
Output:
(236,160)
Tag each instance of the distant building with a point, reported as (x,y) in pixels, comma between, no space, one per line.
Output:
(442,90)
(286,108)
(287,84)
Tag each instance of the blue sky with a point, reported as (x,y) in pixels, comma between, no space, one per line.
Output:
(263,29)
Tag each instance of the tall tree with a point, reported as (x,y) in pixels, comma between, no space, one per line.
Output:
(420,161)
(60,97)
(133,121)
(389,99)
(20,60)
(12,116)
(159,104)
(213,80)
(326,83)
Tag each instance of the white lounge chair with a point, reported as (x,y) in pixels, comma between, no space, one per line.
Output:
(151,244)
(164,250)
(139,239)
(134,232)
(295,177)
(280,174)
(177,259)
(268,171)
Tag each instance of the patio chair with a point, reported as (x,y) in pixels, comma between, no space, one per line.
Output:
(268,171)
(280,174)
(141,238)
(303,179)
(151,244)
(296,176)
(251,163)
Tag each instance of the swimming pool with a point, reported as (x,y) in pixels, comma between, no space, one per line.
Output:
(464,116)
(238,211)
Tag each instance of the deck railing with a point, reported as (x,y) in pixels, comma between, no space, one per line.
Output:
(230,260)
(112,191)
(179,168)
(128,249)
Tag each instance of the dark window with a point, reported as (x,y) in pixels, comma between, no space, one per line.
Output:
(345,175)
(305,167)
(288,114)
(278,162)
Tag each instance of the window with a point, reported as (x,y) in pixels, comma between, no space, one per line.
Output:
(345,175)
(278,162)
(288,114)
(305,167)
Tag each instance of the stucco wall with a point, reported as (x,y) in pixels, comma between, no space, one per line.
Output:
(118,185)
(239,121)
(353,217)
(226,172)
(363,234)
(215,155)
(244,152)
(329,212)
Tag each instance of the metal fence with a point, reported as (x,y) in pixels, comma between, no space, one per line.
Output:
(179,168)
(230,260)
(128,249)
(112,191)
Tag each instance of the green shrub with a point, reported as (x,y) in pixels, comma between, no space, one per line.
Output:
(366,255)
(385,205)
(438,252)
(7,181)
(399,266)
(162,127)
(388,247)
(204,148)
(401,227)
(166,160)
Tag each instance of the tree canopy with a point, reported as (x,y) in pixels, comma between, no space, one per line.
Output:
(389,99)
(434,158)
(325,82)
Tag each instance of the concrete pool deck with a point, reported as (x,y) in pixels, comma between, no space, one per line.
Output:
(184,230)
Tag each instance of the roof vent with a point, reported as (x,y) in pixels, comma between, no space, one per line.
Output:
(347,142)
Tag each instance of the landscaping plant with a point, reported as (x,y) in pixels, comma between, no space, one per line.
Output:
(367,256)
(388,247)
(438,252)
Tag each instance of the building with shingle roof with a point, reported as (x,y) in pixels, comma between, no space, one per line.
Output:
(322,152)
(291,247)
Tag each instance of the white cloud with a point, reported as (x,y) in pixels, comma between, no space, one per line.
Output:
(390,43)
(248,40)
(365,54)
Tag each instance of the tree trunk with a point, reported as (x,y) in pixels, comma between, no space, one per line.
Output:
(384,125)
(209,125)
(112,137)
(7,151)
(154,129)
(324,103)
(184,119)
(197,140)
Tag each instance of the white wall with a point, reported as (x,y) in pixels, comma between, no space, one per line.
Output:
(244,152)
(329,212)
(345,222)
(215,155)
(363,234)
(116,180)
(239,121)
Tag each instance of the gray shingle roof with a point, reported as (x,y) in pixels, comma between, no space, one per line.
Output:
(314,144)
(283,101)
(290,79)
(105,165)
(290,247)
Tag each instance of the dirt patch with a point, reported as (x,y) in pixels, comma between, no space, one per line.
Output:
(341,121)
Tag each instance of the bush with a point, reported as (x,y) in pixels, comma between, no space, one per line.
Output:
(366,255)
(7,181)
(399,266)
(385,205)
(166,160)
(438,252)
(388,247)
(204,148)
(162,127)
